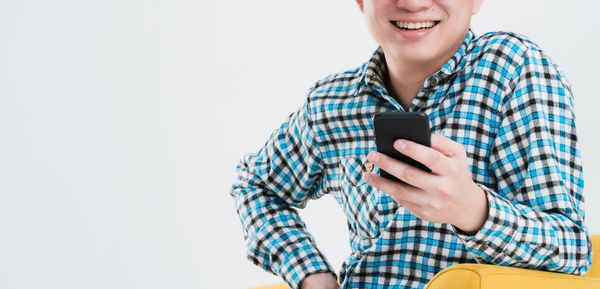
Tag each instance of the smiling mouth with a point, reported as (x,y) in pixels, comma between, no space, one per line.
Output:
(405,25)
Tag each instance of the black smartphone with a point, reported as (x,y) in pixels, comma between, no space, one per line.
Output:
(391,126)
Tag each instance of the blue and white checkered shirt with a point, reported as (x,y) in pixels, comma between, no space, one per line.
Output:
(500,96)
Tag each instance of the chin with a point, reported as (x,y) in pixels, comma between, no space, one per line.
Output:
(421,50)
(419,57)
(414,54)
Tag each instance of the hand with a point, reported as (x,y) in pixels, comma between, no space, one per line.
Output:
(319,281)
(446,195)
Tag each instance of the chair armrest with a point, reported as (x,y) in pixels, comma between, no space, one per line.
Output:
(273,286)
(477,276)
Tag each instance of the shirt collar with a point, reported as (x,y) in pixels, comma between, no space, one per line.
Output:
(375,69)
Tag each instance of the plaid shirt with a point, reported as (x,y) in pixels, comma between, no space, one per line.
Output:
(500,97)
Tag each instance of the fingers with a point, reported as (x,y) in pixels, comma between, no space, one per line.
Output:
(405,172)
(401,193)
(411,198)
(431,158)
(447,146)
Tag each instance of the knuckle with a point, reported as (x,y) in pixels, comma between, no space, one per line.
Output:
(433,159)
(435,205)
(399,189)
(426,214)
(454,170)
(443,190)
(437,138)
(395,196)
(407,174)
(384,162)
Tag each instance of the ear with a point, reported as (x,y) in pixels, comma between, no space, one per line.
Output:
(476,6)
(360,5)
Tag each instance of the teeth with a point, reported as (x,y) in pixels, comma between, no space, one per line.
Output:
(414,25)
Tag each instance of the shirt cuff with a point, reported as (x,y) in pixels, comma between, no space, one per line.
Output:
(497,232)
(302,262)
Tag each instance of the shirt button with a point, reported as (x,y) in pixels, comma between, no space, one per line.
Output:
(433,81)
(484,247)
(369,166)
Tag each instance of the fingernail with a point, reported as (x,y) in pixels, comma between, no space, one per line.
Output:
(373,157)
(368,177)
(400,145)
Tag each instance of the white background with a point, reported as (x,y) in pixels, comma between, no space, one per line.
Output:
(121,122)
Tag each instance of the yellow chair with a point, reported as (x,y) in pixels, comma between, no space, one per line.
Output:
(477,276)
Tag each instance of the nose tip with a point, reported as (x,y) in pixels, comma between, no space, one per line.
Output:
(414,5)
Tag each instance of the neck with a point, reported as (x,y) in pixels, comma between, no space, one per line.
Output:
(405,79)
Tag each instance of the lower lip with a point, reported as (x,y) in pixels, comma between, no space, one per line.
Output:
(414,34)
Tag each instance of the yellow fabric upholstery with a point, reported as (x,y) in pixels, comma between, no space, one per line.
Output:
(477,276)
(274,286)
(595,269)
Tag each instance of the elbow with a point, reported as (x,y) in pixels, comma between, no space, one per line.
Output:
(578,259)
(583,257)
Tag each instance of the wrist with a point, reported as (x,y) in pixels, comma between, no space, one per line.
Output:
(321,280)
(476,212)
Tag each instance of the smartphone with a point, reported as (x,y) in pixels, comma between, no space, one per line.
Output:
(391,126)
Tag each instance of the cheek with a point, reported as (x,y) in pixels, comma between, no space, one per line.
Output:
(371,25)
(378,28)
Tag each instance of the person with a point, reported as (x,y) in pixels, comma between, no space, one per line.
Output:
(506,181)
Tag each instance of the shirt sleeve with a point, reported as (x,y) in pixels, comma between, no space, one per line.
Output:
(536,216)
(282,176)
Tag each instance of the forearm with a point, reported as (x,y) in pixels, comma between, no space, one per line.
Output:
(282,176)
(277,239)
(518,235)
(536,216)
